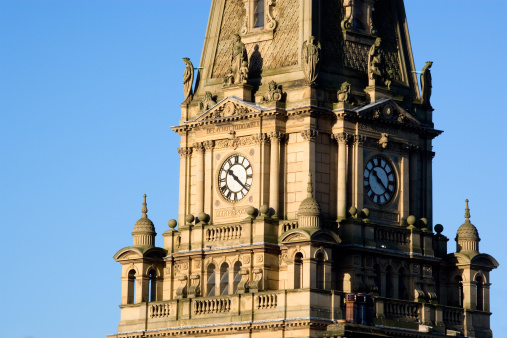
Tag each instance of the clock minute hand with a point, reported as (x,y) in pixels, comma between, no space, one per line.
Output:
(236,178)
(379,179)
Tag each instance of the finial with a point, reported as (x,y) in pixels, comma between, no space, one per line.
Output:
(310,187)
(467,212)
(145,208)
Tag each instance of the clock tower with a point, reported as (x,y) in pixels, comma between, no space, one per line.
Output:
(305,186)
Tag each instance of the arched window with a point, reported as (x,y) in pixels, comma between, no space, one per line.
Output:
(258,14)
(389,283)
(224,279)
(459,292)
(378,279)
(210,283)
(479,284)
(402,284)
(153,286)
(320,271)
(237,276)
(298,271)
(131,287)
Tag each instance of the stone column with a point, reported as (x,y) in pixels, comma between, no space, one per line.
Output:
(415,198)
(274,172)
(405,184)
(199,178)
(261,163)
(359,181)
(428,212)
(208,178)
(309,136)
(341,207)
(183,207)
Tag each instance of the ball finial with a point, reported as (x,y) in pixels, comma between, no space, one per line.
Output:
(264,209)
(411,220)
(190,219)
(439,228)
(172,223)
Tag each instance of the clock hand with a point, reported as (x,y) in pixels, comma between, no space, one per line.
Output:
(378,179)
(236,178)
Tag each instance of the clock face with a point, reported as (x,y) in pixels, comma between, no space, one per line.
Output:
(379,180)
(235,178)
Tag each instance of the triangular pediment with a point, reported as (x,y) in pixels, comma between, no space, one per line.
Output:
(230,108)
(387,110)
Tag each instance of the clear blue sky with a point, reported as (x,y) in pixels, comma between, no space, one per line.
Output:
(88,90)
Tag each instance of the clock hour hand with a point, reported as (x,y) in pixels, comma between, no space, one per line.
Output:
(378,179)
(236,178)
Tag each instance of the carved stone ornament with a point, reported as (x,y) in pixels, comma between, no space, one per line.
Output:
(358,16)
(239,62)
(310,59)
(188,79)
(309,135)
(274,93)
(344,94)
(181,292)
(195,286)
(207,101)
(185,151)
(249,25)
(426,85)
(243,283)
(341,137)
(378,75)
(384,140)
(256,284)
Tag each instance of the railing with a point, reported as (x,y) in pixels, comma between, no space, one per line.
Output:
(268,301)
(384,234)
(208,306)
(452,315)
(289,226)
(395,309)
(159,310)
(223,233)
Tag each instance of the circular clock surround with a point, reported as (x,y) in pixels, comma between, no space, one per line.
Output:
(379,180)
(235,178)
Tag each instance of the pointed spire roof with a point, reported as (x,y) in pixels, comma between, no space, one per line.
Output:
(467,237)
(309,206)
(144,230)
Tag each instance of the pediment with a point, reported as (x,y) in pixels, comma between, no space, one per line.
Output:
(229,109)
(294,236)
(387,110)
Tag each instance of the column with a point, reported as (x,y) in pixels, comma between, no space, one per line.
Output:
(183,207)
(405,184)
(262,171)
(429,189)
(359,184)
(415,198)
(208,178)
(274,172)
(341,209)
(199,178)
(309,136)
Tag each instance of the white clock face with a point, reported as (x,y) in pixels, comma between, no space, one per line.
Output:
(235,178)
(379,180)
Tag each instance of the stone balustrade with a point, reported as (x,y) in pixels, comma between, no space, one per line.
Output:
(214,305)
(453,315)
(223,233)
(399,309)
(390,235)
(159,310)
(266,301)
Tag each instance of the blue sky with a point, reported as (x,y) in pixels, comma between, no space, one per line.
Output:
(88,91)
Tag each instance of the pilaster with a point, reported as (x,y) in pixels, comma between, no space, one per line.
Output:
(199,177)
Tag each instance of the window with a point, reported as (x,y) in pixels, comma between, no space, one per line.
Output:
(479,284)
(298,271)
(237,276)
(459,291)
(224,279)
(378,279)
(131,287)
(320,271)
(402,284)
(389,283)
(258,14)
(153,286)
(210,284)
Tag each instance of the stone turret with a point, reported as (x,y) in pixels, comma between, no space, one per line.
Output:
(309,209)
(467,237)
(144,230)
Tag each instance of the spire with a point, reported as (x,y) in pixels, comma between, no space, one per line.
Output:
(467,212)
(309,189)
(144,210)
(309,209)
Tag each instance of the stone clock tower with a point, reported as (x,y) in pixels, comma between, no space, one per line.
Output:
(305,187)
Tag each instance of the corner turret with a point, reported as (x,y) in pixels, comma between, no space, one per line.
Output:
(144,230)
(467,237)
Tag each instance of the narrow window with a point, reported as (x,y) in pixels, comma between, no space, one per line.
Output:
(131,287)
(320,271)
(402,284)
(459,296)
(480,293)
(210,284)
(389,283)
(224,279)
(153,286)
(237,276)
(258,14)
(298,271)
(378,279)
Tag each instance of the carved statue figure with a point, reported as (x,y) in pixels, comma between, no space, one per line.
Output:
(384,140)
(207,101)
(188,79)
(310,55)
(344,93)
(274,93)
(244,72)
(229,78)
(238,57)
(376,71)
(426,84)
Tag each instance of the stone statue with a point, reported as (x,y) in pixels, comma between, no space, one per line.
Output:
(207,101)
(188,79)
(344,93)
(384,140)
(310,55)
(426,84)
(274,93)
(244,72)
(229,78)
(376,72)
(238,57)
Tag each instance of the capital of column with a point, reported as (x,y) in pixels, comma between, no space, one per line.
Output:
(276,135)
(341,137)
(208,145)
(185,151)
(309,135)
(260,138)
(198,147)
(359,139)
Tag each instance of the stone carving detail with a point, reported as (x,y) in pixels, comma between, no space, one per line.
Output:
(181,292)
(271,23)
(358,16)
(276,135)
(378,74)
(274,93)
(195,286)
(235,142)
(344,94)
(384,140)
(260,258)
(309,135)
(426,85)
(256,284)
(185,151)
(341,137)
(188,79)
(246,259)
(260,138)
(207,101)
(208,145)
(198,147)
(359,139)
(310,58)
(243,283)
(239,61)
(347,22)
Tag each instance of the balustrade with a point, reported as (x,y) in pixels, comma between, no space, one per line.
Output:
(290,226)
(389,235)
(209,306)
(159,310)
(452,315)
(395,309)
(267,301)
(223,233)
